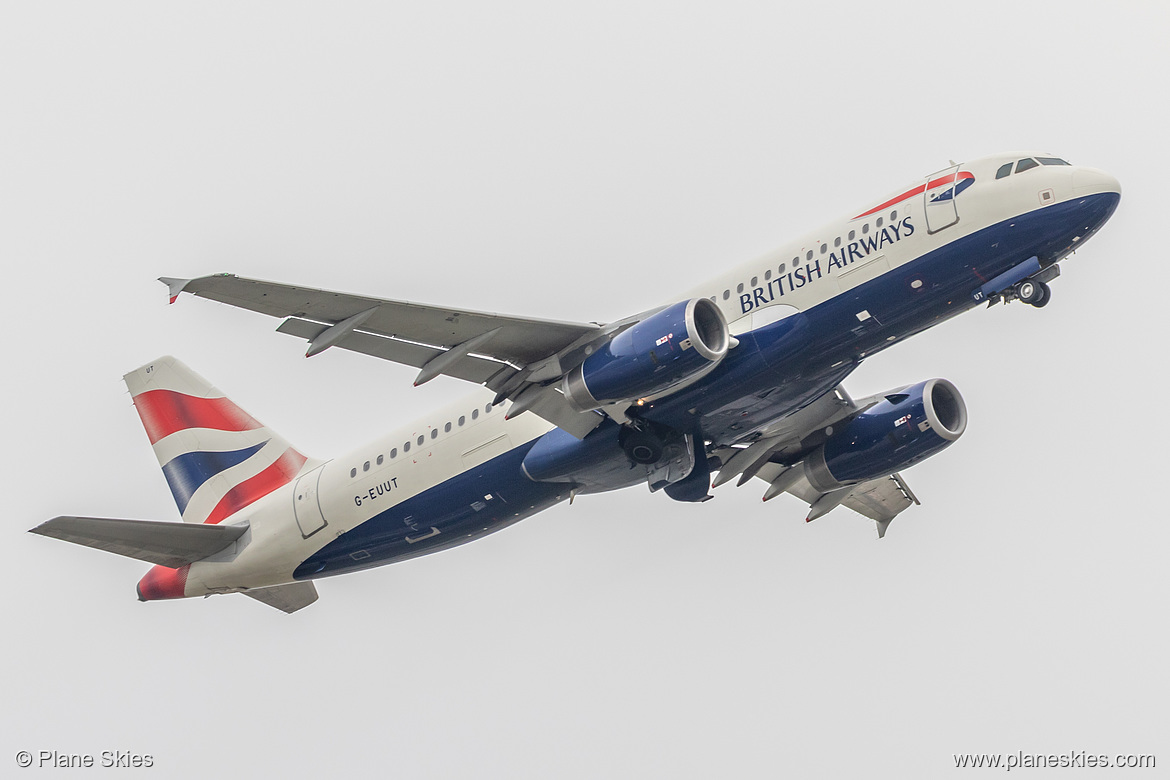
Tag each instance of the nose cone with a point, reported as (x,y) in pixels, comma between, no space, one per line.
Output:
(1091,181)
(163,583)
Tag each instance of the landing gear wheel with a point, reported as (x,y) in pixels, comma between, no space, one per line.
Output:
(1029,292)
(642,447)
(1045,297)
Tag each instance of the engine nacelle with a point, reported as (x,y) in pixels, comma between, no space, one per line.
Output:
(909,426)
(652,356)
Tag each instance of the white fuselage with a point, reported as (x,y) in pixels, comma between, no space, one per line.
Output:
(808,271)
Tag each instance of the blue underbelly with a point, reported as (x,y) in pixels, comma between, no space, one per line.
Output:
(470,505)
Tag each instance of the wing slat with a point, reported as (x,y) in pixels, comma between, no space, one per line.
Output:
(521,340)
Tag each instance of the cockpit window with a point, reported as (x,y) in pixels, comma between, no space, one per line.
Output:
(1004,170)
(1052,161)
(1026,164)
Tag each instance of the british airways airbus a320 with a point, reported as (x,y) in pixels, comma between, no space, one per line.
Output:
(740,377)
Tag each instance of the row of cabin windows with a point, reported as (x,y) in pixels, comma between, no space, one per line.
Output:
(808,256)
(1027,164)
(421,439)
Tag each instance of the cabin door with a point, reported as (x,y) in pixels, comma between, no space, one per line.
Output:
(306,503)
(939,196)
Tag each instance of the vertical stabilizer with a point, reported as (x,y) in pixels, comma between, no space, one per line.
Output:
(217,458)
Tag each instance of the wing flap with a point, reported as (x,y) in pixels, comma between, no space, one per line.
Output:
(554,407)
(470,368)
(881,500)
(167,544)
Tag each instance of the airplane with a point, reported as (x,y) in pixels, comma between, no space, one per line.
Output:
(740,378)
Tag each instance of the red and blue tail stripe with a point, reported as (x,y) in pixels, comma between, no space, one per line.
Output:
(217,459)
(190,471)
(279,474)
(164,412)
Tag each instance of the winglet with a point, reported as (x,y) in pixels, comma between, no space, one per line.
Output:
(174,286)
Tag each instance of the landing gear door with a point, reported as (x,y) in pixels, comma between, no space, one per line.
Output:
(939,196)
(306,503)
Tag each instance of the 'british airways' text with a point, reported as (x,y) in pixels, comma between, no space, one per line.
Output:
(838,260)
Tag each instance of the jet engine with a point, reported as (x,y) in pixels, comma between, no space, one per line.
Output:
(904,428)
(678,343)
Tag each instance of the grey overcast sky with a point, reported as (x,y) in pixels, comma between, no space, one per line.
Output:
(579,162)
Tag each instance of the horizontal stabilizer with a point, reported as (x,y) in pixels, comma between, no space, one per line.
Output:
(166,544)
(287,598)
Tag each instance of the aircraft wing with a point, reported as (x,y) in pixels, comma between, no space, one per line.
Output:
(512,355)
(880,499)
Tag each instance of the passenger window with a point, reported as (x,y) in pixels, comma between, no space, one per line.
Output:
(1026,164)
(837,241)
(879,221)
(462,419)
(406,447)
(366,466)
(767,274)
(352,473)
(739,289)
(1004,170)
(893,216)
(447,428)
(381,459)
(488,408)
(783,266)
(809,255)
(726,294)
(475,414)
(434,433)
(865,228)
(421,439)
(393,453)
(1051,161)
(852,234)
(755,279)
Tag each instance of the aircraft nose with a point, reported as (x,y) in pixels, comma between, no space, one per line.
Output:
(1091,181)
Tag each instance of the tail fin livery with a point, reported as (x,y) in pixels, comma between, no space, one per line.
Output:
(217,458)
